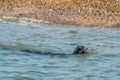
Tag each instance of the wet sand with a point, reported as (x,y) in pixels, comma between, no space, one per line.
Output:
(82,17)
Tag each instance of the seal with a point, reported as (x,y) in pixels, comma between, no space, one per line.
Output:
(78,50)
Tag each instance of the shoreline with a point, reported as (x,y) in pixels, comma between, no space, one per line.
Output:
(22,19)
(59,17)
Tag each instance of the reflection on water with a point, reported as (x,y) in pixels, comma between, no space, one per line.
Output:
(102,63)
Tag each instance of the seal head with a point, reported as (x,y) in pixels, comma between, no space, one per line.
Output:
(80,50)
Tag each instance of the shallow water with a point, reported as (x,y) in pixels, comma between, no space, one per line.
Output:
(102,62)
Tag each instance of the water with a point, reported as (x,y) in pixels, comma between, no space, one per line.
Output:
(102,62)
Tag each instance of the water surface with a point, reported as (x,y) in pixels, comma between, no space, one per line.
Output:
(102,62)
